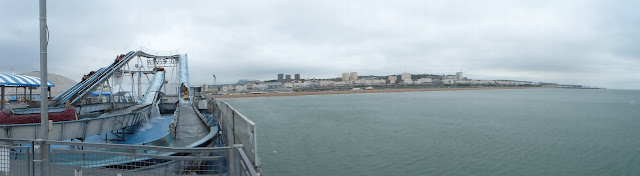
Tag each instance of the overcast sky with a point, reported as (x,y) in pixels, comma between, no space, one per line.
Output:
(585,42)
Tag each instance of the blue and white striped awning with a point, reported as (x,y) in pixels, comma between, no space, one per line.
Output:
(19,80)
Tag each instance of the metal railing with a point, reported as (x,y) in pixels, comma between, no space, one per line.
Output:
(238,129)
(71,158)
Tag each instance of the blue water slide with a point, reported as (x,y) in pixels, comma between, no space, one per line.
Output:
(151,95)
(84,83)
(74,87)
(184,74)
(82,88)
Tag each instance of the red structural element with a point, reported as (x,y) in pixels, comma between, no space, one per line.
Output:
(66,115)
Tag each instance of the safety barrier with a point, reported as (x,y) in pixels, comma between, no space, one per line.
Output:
(238,129)
(71,158)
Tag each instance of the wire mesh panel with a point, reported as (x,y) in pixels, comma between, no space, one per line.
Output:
(15,160)
(139,160)
(81,158)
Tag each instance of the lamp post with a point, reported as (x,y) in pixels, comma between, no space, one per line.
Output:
(43,158)
(214,83)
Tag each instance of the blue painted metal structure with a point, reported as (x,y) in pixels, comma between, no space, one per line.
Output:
(84,87)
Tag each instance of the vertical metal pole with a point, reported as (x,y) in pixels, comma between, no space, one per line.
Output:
(232,160)
(139,83)
(44,104)
(233,126)
(2,106)
(132,84)
(214,83)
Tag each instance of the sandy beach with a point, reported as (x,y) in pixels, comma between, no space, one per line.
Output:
(362,91)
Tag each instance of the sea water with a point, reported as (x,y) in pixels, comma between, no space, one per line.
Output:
(475,132)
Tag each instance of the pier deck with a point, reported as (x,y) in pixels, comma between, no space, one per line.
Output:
(189,127)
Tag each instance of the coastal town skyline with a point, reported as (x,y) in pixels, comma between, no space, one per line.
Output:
(398,79)
(353,81)
(324,76)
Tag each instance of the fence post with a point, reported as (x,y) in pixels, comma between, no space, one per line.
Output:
(232,161)
(41,148)
(235,160)
(233,127)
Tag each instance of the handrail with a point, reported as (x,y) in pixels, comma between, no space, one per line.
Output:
(137,147)
(245,160)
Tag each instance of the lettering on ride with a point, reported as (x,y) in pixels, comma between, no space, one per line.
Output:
(161,62)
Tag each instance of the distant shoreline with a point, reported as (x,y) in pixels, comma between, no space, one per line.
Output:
(363,91)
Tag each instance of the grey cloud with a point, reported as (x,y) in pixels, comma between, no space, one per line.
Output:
(582,42)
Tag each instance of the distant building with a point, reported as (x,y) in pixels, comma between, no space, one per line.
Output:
(240,87)
(274,85)
(327,83)
(449,77)
(345,77)
(408,81)
(406,75)
(393,79)
(448,81)
(341,83)
(297,77)
(370,82)
(288,85)
(459,75)
(353,76)
(287,78)
(280,77)
(260,86)
(425,81)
